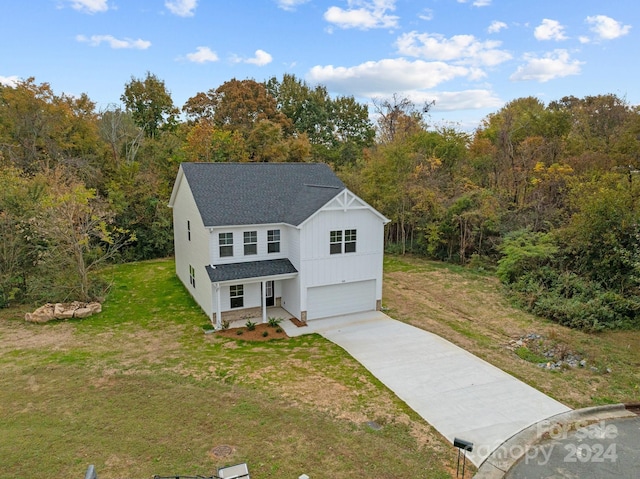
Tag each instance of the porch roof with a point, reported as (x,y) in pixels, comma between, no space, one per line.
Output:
(251,270)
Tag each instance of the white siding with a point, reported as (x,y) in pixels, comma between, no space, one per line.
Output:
(291,296)
(238,244)
(321,268)
(192,251)
(252,296)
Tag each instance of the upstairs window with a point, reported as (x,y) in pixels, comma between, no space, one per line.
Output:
(342,241)
(188,230)
(273,241)
(226,244)
(236,294)
(250,242)
(335,242)
(349,241)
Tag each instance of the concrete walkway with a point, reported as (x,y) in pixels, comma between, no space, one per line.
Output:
(459,394)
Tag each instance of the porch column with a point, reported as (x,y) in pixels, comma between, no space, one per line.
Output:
(264,301)
(218,307)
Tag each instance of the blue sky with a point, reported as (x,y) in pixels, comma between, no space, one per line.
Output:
(470,56)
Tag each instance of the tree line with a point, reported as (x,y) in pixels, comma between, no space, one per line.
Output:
(547,194)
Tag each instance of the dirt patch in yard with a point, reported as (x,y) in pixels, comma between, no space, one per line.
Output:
(21,335)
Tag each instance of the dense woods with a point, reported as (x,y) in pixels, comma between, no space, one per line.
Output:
(547,194)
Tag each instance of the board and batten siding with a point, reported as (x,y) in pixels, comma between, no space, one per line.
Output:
(320,268)
(193,252)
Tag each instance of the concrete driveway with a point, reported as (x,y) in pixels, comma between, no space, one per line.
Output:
(459,394)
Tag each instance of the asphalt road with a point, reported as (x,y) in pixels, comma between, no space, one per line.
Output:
(608,449)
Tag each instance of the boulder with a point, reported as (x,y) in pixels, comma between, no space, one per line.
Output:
(42,314)
(51,311)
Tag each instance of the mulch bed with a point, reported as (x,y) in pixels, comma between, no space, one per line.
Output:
(258,334)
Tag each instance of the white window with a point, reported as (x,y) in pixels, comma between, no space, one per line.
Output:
(349,241)
(236,294)
(273,241)
(226,244)
(250,242)
(342,241)
(335,242)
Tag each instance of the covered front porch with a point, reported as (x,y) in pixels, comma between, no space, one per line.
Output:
(257,316)
(247,291)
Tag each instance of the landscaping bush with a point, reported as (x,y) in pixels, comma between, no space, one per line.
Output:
(274,322)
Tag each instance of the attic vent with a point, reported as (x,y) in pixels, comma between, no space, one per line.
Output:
(322,186)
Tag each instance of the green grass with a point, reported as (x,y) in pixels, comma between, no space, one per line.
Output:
(525,353)
(140,390)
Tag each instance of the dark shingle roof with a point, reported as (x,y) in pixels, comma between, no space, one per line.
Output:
(260,193)
(250,269)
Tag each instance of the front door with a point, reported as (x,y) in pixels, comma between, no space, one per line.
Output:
(269,296)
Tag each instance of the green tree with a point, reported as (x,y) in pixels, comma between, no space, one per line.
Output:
(19,242)
(77,228)
(602,233)
(337,129)
(150,104)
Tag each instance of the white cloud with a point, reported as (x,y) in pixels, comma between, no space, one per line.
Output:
(427,14)
(116,43)
(464,49)
(549,30)
(382,77)
(477,3)
(496,26)
(202,55)
(363,14)
(457,100)
(89,6)
(11,81)
(290,5)
(606,27)
(555,64)
(182,8)
(261,58)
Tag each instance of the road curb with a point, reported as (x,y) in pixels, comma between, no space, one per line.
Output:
(513,449)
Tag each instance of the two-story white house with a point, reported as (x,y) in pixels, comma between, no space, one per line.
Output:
(249,236)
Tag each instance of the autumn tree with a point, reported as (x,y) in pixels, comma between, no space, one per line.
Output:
(398,117)
(39,129)
(241,104)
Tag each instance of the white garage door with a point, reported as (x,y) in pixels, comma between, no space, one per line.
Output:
(345,298)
